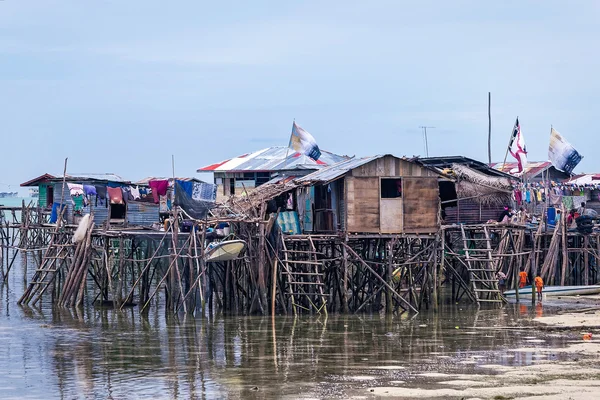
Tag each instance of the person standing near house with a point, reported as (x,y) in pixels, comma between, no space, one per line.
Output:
(501,281)
(504,217)
(539,285)
(522,279)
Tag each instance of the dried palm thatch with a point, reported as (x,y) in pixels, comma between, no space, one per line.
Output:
(481,188)
(249,204)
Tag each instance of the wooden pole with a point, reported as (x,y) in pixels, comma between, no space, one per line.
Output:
(489,128)
(402,300)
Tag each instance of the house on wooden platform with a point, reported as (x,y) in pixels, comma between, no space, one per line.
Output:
(111,198)
(381,194)
(248,171)
(471,192)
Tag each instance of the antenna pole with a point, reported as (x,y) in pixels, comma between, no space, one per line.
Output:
(490,127)
(425,138)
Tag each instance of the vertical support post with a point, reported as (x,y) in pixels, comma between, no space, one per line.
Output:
(586,260)
(438,279)
(345,277)
(388,293)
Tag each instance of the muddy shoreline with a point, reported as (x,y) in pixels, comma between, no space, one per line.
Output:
(570,371)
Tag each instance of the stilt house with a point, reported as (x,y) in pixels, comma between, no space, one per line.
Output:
(379,194)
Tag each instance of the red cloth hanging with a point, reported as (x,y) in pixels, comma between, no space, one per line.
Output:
(159,188)
(115,195)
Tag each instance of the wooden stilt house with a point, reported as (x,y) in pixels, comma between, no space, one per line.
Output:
(378,194)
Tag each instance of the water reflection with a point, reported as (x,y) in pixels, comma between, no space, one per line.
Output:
(99,353)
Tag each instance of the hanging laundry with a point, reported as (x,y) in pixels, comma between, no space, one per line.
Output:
(159,188)
(186,186)
(56,209)
(101,191)
(135,193)
(204,191)
(75,189)
(127,196)
(568,202)
(539,195)
(197,209)
(527,196)
(163,205)
(532,195)
(518,197)
(115,195)
(89,190)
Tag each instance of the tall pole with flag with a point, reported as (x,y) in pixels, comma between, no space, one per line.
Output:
(516,148)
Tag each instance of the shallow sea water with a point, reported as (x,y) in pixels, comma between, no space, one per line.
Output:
(55,353)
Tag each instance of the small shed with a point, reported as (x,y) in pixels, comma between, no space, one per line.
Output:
(378,194)
(139,213)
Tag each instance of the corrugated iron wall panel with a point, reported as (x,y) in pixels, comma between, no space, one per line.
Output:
(142,214)
(100,214)
(471,212)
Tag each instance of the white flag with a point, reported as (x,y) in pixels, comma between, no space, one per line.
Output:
(304,143)
(561,153)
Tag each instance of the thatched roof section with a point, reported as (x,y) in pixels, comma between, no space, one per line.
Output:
(249,205)
(480,187)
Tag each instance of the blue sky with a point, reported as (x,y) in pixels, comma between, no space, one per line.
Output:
(120,86)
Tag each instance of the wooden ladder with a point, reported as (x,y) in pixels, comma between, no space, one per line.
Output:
(46,273)
(480,264)
(304,279)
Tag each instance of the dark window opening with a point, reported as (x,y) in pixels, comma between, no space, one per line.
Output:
(448,194)
(262,177)
(49,196)
(391,188)
(117,211)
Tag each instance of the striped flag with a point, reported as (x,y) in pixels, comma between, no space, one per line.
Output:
(304,143)
(516,147)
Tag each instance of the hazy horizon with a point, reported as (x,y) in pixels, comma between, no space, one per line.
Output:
(121,86)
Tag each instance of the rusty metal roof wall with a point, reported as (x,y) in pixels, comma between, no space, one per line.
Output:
(532,168)
(276,158)
(335,171)
(443,162)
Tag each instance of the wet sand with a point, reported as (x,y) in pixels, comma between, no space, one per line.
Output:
(567,372)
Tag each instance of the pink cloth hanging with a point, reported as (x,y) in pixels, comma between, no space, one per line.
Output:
(159,188)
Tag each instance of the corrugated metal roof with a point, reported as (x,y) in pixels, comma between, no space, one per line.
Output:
(104,177)
(276,158)
(147,179)
(335,171)
(532,168)
(584,179)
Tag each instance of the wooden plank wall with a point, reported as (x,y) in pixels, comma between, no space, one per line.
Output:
(421,204)
(391,215)
(390,166)
(362,196)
